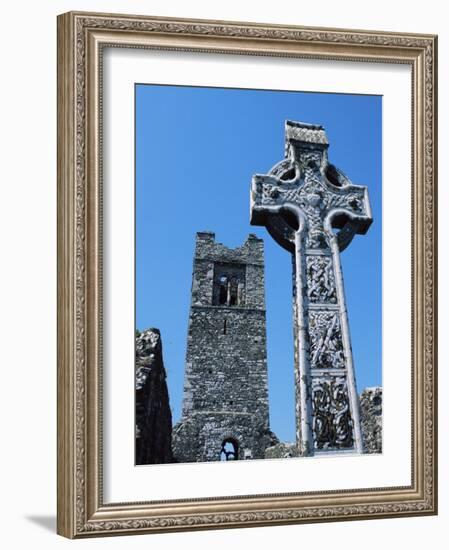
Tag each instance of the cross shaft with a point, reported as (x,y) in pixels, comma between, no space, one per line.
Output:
(313,210)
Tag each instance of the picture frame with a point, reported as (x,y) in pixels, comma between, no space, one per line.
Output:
(82,40)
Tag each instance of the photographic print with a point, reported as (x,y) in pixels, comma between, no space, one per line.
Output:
(258,271)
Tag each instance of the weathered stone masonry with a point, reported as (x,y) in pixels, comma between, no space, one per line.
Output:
(153,415)
(225,406)
(371,419)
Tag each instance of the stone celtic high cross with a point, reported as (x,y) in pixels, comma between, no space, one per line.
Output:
(313,210)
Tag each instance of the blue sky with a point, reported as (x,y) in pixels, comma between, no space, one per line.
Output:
(196,151)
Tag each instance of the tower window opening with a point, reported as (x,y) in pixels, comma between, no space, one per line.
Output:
(225,326)
(223,291)
(229,285)
(233,293)
(229,450)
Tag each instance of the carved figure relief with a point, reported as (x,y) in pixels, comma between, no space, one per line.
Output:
(332,423)
(320,280)
(314,208)
(326,346)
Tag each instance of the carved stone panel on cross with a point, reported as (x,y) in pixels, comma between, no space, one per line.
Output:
(321,280)
(313,210)
(332,420)
(326,342)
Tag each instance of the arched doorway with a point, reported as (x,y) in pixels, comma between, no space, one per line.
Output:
(229,450)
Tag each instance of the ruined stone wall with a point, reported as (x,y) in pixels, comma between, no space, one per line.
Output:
(153,415)
(225,387)
(209,254)
(371,419)
(282,450)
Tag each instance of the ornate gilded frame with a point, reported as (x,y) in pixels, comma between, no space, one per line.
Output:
(81,37)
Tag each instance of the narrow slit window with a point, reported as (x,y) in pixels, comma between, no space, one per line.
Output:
(223,292)
(233,293)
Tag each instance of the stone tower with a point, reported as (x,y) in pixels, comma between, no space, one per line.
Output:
(313,210)
(225,404)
